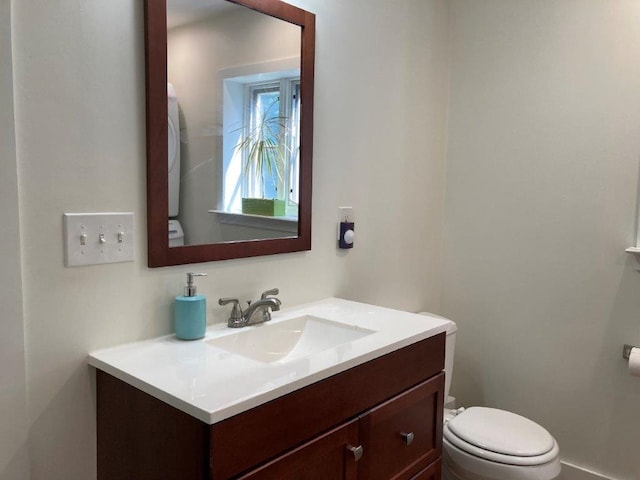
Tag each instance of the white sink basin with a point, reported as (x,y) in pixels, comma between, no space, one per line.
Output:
(289,339)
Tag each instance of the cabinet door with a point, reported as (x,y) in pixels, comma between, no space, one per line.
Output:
(403,435)
(329,456)
(432,472)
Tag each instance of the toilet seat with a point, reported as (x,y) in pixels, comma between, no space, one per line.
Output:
(500,436)
(460,465)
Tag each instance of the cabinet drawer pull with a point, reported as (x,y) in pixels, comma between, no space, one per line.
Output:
(408,437)
(356,451)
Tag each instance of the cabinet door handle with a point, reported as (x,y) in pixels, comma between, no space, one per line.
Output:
(356,451)
(408,437)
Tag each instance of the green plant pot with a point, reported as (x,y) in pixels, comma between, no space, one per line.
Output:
(264,206)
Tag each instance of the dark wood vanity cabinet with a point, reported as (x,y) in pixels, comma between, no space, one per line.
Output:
(378,421)
(395,440)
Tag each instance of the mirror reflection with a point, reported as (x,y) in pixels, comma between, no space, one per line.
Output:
(233,139)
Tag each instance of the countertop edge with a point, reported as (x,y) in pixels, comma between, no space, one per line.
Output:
(223,413)
(243,404)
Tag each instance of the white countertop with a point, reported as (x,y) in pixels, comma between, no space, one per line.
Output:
(213,384)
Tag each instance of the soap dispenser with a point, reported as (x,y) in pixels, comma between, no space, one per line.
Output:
(191,311)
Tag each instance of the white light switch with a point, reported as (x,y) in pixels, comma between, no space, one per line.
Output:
(345,214)
(93,238)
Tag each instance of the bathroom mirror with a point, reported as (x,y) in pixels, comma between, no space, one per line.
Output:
(219,74)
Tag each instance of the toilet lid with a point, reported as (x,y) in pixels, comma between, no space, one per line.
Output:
(501,432)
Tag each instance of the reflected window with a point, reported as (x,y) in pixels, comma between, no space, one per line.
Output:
(261,144)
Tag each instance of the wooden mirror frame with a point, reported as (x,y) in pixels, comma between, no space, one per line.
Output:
(159,253)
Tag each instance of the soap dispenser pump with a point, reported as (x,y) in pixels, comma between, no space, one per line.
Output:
(191,311)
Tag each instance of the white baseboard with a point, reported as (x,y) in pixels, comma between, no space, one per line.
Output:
(573,472)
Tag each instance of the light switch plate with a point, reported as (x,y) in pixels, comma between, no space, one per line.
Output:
(345,214)
(94,238)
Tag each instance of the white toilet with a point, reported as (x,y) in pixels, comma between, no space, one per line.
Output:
(489,444)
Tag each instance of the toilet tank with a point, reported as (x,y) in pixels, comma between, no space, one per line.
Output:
(450,347)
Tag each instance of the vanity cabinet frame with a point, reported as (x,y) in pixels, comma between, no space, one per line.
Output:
(144,438)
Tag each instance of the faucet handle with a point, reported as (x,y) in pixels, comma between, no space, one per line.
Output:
(273,291)
(236,311)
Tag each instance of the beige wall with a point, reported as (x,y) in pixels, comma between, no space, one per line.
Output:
(542,179)
(13,409)
(382,79)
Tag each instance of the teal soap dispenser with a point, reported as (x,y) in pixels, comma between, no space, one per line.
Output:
(191,311)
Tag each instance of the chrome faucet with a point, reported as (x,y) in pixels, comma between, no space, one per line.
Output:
(256,312)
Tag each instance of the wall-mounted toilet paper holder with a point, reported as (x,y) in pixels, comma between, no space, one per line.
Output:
(626,351)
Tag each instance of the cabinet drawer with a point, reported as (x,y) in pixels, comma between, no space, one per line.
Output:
(326,457)
(403,435)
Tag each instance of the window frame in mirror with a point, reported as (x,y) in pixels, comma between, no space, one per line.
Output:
(159,252)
